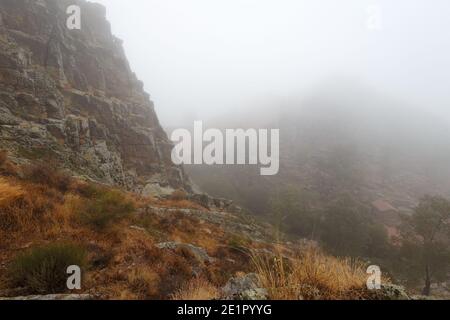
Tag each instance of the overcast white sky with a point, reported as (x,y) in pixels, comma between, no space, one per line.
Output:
(204,58)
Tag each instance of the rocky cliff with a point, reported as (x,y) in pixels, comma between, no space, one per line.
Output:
(69,96)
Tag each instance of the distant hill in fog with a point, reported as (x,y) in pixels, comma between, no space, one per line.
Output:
(342,138)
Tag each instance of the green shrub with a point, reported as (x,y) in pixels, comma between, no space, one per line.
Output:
(105,208)
(43,270)
(238,242)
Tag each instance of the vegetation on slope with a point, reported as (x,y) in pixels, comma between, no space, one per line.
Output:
(49,221)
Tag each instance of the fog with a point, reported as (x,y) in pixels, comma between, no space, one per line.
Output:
(203,59)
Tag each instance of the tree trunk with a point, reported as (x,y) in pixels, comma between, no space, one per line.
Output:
(427,289)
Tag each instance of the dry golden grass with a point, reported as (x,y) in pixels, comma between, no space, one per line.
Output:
(61,221)
(182,204)
(197,289)
(26,210)
(144,282)
(32,207)
(9,192)
(311,275)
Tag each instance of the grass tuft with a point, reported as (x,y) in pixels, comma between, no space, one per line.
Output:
(197,289)
(312,275)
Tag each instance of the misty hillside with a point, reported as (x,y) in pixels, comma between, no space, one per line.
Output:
(86,181)
(94,206)
(343,137)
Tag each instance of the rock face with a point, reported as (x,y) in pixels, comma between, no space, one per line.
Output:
(70,96)
(199,253)
(244,288)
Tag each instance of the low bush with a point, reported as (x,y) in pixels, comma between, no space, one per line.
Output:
(3,157)
(197,289)
(9,196)
(87,189)
(42,270)
(9,192)
(105,208)
(7,168)
(144,282)
(24,207)
(48,175)
(178,195)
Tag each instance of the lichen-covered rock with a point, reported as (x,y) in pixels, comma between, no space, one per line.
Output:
(199,253)
(253,294)
(156,191)
(70,95)
(244,288)
(209,202)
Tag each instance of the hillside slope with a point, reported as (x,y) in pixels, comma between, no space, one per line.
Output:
(133,247)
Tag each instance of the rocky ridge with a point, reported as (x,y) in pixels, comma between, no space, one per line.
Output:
(70,96)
